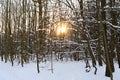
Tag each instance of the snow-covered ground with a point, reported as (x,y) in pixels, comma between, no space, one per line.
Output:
(62,71)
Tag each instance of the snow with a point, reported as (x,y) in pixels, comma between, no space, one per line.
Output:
(113,25)
(62,71)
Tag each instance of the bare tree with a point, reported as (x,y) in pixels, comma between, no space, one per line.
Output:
(105,41)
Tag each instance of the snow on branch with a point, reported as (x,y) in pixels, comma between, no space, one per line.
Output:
(118,27)
(91,40)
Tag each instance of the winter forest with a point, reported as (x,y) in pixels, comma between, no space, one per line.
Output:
(40,31)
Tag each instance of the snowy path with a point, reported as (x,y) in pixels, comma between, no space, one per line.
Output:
(62,71)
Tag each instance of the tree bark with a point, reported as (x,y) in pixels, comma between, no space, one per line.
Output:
(105,41)
(99,35)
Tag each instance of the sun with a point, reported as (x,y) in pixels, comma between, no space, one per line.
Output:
(61,29)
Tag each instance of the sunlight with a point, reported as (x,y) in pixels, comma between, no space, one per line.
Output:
(61,29)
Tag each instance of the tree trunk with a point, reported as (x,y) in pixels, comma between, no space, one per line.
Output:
(99,35)
(118,49)
(105,41)
(112,40)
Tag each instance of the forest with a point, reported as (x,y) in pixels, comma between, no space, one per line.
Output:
(61,30)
